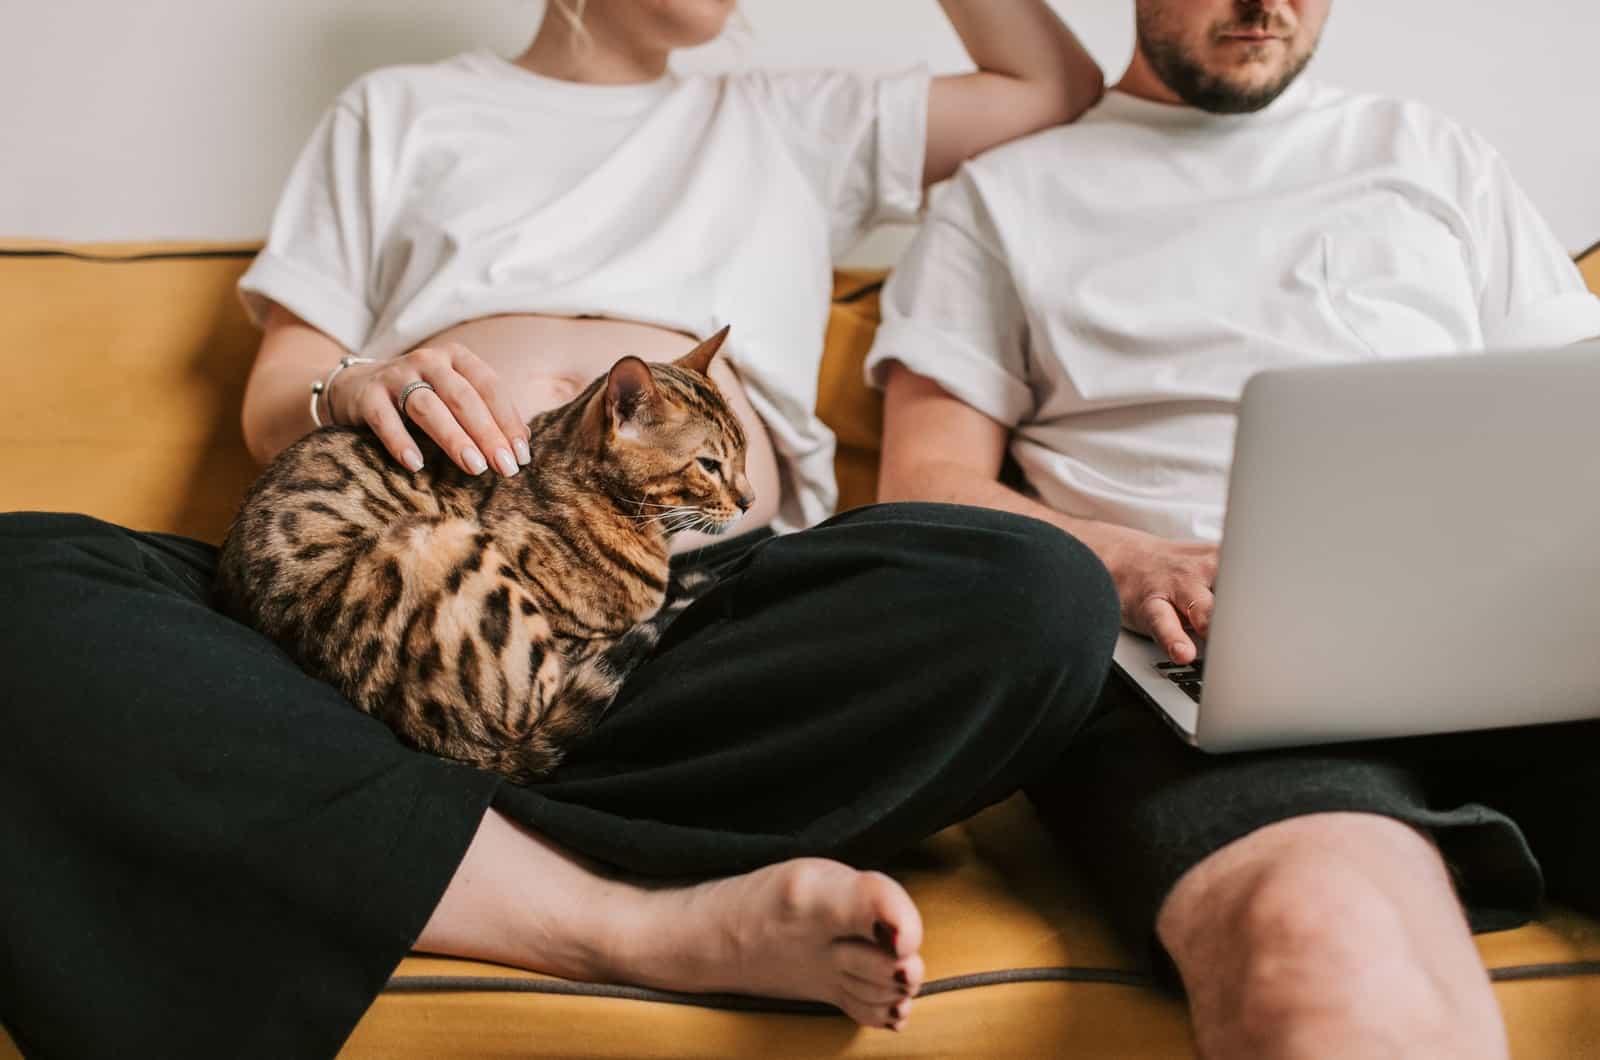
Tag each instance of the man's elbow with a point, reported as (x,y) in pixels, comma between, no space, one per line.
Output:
(896,482)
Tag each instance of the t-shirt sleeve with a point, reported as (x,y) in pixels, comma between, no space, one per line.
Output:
(859,139)
(951,312)
(319,254)
(1530,293)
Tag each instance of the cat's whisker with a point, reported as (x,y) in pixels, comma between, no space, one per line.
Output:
(664,517)
(646,504)
(686,521)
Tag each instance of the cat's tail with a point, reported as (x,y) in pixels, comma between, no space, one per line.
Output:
(589,686)
(587,690)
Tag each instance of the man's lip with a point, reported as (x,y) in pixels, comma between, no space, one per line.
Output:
(1251,36)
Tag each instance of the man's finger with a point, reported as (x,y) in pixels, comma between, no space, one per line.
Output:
(1162,622)
(1198,612)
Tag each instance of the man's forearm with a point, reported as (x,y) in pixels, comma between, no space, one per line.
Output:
(935,480)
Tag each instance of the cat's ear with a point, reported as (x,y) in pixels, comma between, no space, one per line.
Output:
(699,358)
(629,391)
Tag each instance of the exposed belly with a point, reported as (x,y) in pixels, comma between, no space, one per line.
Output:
(545,361)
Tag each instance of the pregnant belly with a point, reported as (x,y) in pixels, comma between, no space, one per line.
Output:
(545,361)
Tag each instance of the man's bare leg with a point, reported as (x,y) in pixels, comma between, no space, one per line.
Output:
(809,928)
(1332,935)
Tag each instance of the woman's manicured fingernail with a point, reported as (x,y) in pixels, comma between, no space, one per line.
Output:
(505,462)
(412,459)
(523,456)
(473,461)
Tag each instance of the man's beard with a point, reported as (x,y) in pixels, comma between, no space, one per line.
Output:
(1200,88)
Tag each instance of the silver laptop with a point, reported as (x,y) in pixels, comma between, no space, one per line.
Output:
(1410,547)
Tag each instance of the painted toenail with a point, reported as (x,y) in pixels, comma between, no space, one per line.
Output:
(900,977)
(884,934)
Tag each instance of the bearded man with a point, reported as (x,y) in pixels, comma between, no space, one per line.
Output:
(1089,301)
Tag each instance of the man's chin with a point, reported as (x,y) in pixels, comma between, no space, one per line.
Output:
(1231,79)
(1237,91)
(1253,83)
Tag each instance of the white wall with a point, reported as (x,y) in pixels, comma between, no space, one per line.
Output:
(135,119)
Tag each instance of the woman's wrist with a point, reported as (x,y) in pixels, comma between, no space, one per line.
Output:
(324,405)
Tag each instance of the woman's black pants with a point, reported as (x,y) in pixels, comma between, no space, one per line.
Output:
(208,853)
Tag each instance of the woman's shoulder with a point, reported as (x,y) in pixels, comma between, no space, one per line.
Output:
(385,88)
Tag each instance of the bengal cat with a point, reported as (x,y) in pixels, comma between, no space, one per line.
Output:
(485,619)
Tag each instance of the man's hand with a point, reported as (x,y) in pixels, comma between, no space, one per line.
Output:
(1165,589)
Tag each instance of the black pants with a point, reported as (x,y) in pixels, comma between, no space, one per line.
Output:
(207,853)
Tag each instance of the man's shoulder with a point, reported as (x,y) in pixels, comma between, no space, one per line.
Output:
(1411,120)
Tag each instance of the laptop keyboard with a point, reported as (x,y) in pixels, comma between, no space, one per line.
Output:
(1186,676)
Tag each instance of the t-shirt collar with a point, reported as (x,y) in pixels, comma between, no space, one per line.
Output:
(1120,104)
(570,95)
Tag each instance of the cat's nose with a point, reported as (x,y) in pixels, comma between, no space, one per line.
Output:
(745,500)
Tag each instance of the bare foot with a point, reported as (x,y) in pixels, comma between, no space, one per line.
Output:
(809,928)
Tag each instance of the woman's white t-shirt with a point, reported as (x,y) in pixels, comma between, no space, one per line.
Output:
(1105,289)
(435,194)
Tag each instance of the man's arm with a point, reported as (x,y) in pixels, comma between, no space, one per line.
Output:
(938,448)
(1530,294)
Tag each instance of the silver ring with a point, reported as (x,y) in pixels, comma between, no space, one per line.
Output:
(411,388)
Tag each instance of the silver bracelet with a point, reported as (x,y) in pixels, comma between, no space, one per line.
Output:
(320,386)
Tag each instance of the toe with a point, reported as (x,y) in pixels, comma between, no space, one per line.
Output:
(867,965)
(886,915)
(891,1015)
(872,993)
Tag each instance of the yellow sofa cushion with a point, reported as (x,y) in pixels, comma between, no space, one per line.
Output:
(122,375)
(1589,266)
(121,383)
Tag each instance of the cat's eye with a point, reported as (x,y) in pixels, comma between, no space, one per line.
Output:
(713,466)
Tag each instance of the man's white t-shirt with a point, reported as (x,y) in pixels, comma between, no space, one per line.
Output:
(1106,288)
(434,194)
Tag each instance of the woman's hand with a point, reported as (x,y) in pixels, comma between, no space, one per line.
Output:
(466,412)
(1165,589)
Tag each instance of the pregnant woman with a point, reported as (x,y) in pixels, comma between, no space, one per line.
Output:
(220,856)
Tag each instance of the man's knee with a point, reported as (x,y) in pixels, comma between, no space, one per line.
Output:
(1297,931)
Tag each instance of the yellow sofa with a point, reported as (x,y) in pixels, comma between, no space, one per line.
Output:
(120,380)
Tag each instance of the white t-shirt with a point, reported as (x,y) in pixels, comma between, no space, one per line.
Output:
(1106,288)
(430,195)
